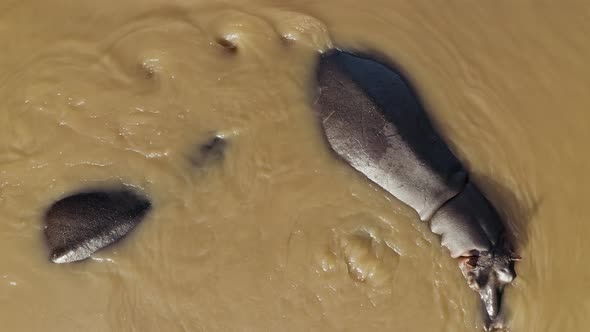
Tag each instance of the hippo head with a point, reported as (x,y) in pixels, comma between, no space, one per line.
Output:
(488,273)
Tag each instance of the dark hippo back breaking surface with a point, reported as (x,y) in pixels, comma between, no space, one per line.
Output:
(372,119)
(78,225)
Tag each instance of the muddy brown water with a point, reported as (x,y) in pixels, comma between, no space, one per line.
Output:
(280,236)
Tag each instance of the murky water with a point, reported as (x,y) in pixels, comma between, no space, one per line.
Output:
(279,236)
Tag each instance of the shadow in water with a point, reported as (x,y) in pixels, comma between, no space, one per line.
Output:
(516,209)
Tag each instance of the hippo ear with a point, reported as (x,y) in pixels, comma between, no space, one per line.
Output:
(470,261)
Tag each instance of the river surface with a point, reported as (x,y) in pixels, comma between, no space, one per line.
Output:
(279,235)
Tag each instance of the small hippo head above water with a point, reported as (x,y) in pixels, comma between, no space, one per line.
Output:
(488,273)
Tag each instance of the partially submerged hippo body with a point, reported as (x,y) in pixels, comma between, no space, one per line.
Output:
(80,224)
(373,121)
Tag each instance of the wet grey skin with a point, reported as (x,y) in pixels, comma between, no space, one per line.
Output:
(82,223)
(79,225)
(373,121)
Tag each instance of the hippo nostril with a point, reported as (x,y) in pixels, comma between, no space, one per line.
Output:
(227,43)
(79,225)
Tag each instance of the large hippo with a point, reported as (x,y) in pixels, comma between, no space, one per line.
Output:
(373,120)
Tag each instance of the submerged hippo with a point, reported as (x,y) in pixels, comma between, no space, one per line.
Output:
(373,121)
(78,225)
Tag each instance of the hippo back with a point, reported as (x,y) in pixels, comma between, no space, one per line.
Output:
(372,119)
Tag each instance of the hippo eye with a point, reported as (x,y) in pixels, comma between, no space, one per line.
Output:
(473,281)
(504,275)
